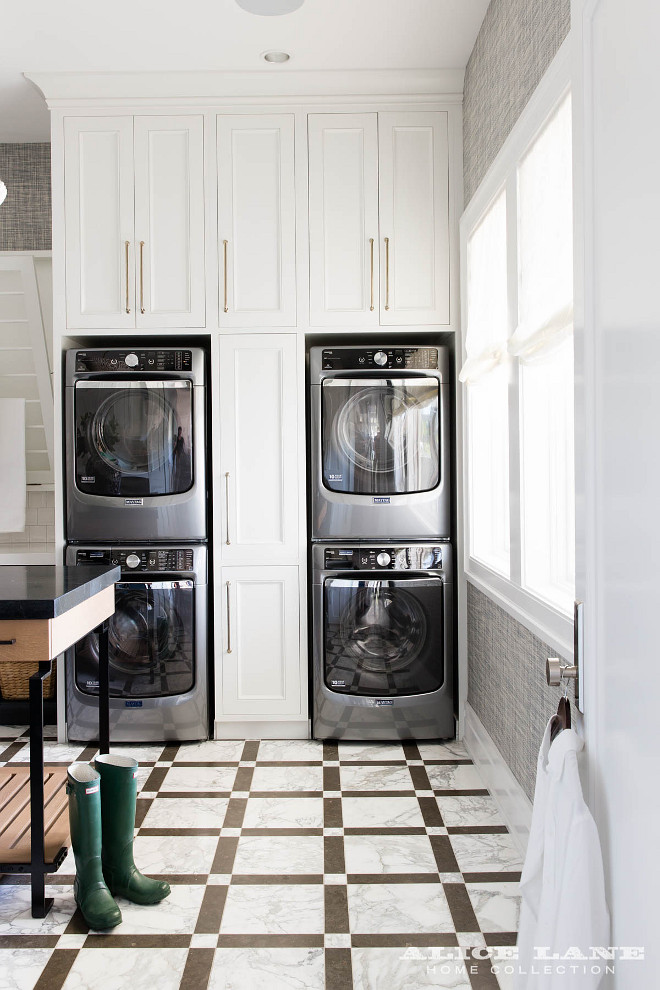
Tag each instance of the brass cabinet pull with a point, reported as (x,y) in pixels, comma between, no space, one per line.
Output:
(227,541)
(371,252)
(228,585)
(224,250)
(126,244)
(142,276)
(7,642)
(387,273)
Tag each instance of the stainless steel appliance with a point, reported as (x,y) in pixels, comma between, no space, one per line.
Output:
(135,444)
(382,663)
(158,647)
(380,443)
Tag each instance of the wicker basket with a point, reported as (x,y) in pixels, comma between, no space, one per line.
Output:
(15,680)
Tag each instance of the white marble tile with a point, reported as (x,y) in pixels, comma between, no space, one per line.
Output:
(471,940)
(287,779)
(286,909)
(496,905)
(143,753)
(337,941)
(15,911)
(286,812)
(365,778)
(412,969)
(289,750)
(389,854)
(143,775)
(53,753)
(268,969)
(485,853)
(452,749)
(505,979)
(190,812)
(203,941)
(386,812)
(11,732)
(210,751)
(155,855)
(199,779)
(21,968)
(456,778)
(465,810)
(176,914)
(261,854)
(381,908)
(139,969)
(374,752)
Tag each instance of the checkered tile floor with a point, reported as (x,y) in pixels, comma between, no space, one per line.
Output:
(293,865)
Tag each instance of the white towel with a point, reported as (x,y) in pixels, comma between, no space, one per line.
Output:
(12,465)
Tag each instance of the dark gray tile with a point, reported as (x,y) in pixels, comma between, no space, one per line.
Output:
(56,970)
(461,908)
(444,854)
(198,969)
(225,854)
(338,969)
(250,751)
(336,909)
(210,913)
(333,851)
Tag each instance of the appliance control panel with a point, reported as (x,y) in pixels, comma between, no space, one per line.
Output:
(359,358)
(410,558)
(151,559)
(167,359)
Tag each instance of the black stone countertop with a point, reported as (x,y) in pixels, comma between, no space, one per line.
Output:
(44,591)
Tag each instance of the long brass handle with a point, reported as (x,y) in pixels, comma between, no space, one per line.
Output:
(387,273)
(126,244)
(142,276)
(227,541)
(371,252)
(228,585)
(224,249)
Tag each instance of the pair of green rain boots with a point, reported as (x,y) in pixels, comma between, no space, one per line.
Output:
(102,801)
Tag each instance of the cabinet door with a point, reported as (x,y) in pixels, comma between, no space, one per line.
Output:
(343,219)
(259,447)
(414,216)
(256,221)
(98,212)
(260,611)
(169,221)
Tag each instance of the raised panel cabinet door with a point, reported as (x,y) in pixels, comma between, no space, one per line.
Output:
(259,447)
(414,217)
(256,220)
(98,218)
(169,221)
(343,219)
(260,611)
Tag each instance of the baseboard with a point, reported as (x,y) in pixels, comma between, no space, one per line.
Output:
(515,806)
(248,729)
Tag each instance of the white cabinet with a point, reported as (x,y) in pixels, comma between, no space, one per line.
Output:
(134,222)
(379,219)
(258,392)
(256,220)
(261,662)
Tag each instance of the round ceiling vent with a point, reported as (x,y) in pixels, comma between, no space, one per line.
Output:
(276,56)
(270,8)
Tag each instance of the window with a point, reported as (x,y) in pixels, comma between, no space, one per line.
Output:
(517,238)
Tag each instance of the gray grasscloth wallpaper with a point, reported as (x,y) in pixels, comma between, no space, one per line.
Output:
(25,215)
(517,41)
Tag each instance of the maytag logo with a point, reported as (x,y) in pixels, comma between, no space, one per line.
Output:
(133,501)
(382,702)
(381,499)
(132,704)
(88,479)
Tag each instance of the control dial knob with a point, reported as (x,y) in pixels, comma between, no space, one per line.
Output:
(380,358)
(383,559)
(131,360)
(132,560)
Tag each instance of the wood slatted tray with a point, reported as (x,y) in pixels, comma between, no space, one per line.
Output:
(15,814)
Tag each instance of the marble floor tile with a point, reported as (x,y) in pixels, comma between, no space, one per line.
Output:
(176,914)
(370,778)
(11,732)
(286,812)
(188,812)
(210,751)
(15,910)
(374,752)
(289,750)
(279,854)
(465,810)
(21,968)
(268,969)
(287,909)
(451,749)
(485,853)
(381,908)
(412,969)
(199,778)
(287,779)
(385,812)
(53,753)
(142,752)
(174,853)
(389,854)
(457,778)
(116,969)
(496,905)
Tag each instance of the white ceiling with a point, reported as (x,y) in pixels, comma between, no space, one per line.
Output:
(160,35)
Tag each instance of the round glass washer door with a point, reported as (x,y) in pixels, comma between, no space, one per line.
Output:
(132,430)
(371,428)
(383,629)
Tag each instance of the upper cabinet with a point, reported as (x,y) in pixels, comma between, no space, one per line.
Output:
(256,221)
(134,222)
(379,219)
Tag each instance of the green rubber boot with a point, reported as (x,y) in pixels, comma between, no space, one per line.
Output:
(118,798)
(90,891)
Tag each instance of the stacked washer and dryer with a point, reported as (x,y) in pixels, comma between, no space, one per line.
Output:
(136,496)
(382,567)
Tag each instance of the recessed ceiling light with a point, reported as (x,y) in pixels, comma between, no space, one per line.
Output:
(276,56)
(270,8)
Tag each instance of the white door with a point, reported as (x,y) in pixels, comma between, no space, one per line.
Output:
(261,642)
(414,217)
(259,447)
(169,221)
(256,220)
(343,219)
(98,216)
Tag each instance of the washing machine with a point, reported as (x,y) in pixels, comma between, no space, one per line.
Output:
(382,658)
(379,443)
(135,444)
(158,647)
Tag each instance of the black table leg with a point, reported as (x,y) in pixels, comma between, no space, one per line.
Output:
(104,690)
(41,905)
